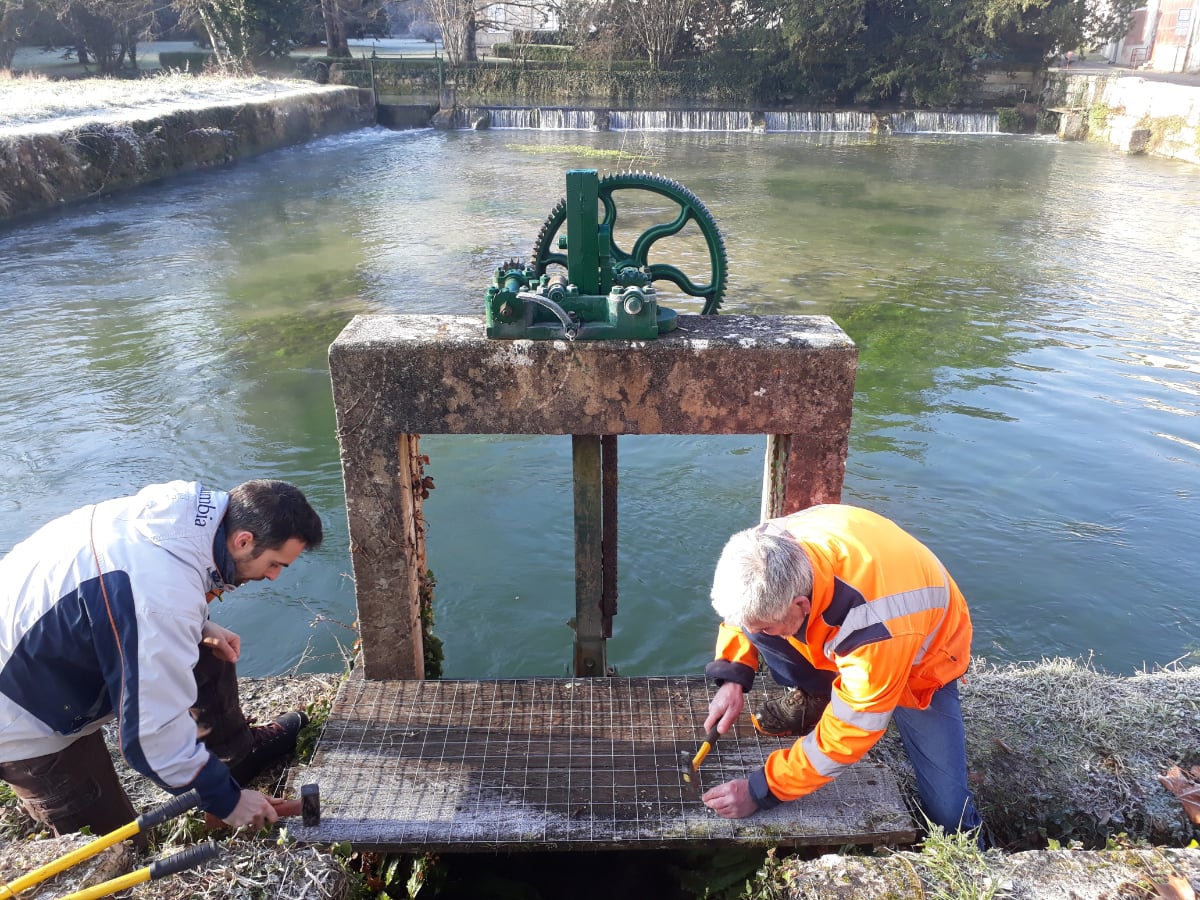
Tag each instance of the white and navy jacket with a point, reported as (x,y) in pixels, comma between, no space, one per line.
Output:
(101,614)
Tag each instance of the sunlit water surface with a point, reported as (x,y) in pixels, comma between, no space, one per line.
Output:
(1027,400)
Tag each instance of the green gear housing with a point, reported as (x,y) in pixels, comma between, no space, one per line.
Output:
(605,293)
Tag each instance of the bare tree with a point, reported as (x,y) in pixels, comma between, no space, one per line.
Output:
(655,26)
(106,32)
(457,21)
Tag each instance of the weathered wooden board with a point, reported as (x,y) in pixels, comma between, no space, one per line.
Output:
(559,763)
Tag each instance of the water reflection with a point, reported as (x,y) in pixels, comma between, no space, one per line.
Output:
(1027,399)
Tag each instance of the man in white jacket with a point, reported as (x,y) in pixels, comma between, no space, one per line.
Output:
(104,615)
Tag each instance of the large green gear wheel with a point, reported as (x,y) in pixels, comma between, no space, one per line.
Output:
(691,209)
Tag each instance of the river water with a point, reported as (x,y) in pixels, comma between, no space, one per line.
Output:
(1028,398)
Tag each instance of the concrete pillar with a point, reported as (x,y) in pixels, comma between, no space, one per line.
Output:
(1073,125)
(395,377)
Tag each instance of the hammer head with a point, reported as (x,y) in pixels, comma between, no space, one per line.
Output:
(310,805)
(688,776)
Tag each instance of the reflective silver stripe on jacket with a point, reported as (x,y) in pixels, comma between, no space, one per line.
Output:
(895,606)
(945,588)
(822,763)
(867,721)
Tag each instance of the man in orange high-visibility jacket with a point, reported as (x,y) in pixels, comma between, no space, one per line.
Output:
(863,625)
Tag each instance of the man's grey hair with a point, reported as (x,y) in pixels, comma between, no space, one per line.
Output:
(760,572)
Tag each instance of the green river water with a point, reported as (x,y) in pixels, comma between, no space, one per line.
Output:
(1028,397)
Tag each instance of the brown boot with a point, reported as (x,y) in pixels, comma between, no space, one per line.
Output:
(268,744)
(792,715)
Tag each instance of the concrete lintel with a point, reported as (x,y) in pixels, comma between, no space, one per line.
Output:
(714,375)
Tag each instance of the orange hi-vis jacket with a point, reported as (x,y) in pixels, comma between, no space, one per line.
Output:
(886,617)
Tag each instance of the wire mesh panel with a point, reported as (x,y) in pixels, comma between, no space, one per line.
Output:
(559,763)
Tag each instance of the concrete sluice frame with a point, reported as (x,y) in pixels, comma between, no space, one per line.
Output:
(519,764)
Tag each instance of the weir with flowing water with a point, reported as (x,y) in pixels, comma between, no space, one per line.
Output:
(565,118)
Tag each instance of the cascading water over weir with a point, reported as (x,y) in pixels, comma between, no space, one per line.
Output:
(572,342)
(564,118)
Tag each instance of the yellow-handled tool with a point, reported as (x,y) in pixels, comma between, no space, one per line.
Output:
(688,769)
(709,740)
(160,868)
(146,820)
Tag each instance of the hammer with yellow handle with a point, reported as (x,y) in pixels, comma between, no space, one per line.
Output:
(692,767)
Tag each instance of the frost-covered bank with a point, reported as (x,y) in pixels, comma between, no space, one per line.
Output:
(61,142)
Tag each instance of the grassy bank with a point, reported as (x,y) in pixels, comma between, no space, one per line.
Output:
(1066,762)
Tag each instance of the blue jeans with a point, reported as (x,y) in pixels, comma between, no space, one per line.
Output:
(937,749)
(933,737)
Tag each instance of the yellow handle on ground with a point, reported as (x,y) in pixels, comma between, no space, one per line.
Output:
(52,868)
(111,886)
(160,868)
(169,810)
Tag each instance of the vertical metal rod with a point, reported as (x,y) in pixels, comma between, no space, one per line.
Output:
(608,546)
(583,198)
(589,568)
(775,466)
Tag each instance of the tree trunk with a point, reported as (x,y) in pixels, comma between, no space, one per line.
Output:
(335,28)
(129,45)
(471,51)
(10,12)
(220,50)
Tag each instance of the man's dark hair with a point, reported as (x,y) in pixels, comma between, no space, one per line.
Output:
(274,512)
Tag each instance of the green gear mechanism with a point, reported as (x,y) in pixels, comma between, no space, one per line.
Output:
(606,291)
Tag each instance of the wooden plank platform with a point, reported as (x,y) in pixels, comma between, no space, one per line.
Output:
(559,764)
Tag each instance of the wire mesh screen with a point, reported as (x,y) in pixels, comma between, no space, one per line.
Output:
(559,763)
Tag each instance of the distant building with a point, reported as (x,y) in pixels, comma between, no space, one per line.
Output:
(1163,36)
(510,17)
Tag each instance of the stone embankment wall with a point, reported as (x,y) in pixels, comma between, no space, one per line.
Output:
(1134,114)
(43,167)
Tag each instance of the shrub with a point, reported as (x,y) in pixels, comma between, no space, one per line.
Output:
(539,52)
(1098,116)
(1009,119)
(194,61)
